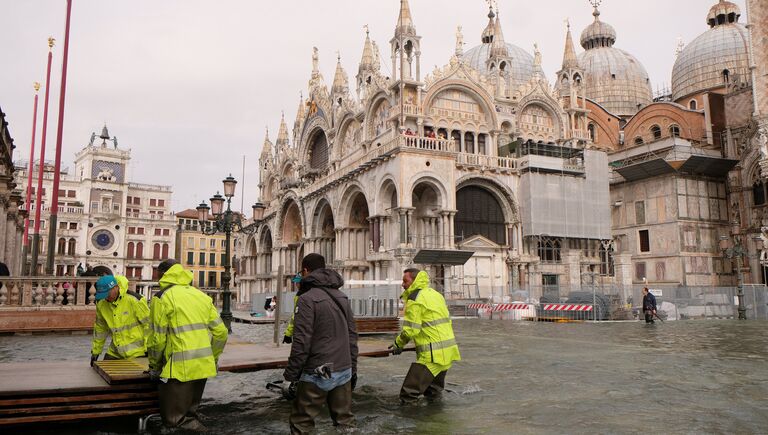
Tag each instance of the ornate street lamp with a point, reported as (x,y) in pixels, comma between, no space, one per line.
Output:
(227,222)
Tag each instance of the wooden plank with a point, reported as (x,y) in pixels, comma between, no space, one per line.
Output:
(77,399)
(54,409)
(78,416)
(123,370)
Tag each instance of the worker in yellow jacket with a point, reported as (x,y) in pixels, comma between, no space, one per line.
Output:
(427,322)
(122,314)
(184,345)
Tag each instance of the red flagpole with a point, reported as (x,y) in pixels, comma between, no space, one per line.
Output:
(25,240)
(59,139)
(41,165)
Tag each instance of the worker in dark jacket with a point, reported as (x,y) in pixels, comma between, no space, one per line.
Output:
(649,305)
(323,361)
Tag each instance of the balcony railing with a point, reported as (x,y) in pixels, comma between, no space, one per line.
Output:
(47,291)
(426,143)
(490,162)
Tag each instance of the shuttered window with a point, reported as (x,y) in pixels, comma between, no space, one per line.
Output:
(479,214)
(318,158)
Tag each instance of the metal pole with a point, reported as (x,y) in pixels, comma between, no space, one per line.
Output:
(25,240)
(280,277)
(55,201)
(740,287)
(226,313)
(41,166)
(594,299)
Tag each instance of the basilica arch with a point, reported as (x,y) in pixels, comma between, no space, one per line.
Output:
(484,208)
(457,110)
(323,233)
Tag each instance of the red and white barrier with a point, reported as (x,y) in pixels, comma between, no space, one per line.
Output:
(479,306)
(567,307)
(509,307)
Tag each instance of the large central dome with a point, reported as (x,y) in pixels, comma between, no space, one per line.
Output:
(715,56)
(521,70)
(612,77)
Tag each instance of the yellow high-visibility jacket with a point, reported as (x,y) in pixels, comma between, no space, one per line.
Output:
(187,334)
(126,320)
(289,328)
(427,322)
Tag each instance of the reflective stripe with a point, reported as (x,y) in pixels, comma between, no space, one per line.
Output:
(130,346)
(218,344)
(436,322)
(192,354)
(154,354)
(215,323)
(159,329)
(436,345)
(186,328)
(125,327)
(100,335)
(411,324)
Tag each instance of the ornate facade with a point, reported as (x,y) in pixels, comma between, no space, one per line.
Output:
(553,187)
(11,214)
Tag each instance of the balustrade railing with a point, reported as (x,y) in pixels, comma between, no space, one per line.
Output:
(47,291)
(426,143)
(480,160)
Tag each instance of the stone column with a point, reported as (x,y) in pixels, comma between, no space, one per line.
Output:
(3,224)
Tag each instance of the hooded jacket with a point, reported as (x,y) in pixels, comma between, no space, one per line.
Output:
(187,335)
(323,330)
(426,321)
(126,320)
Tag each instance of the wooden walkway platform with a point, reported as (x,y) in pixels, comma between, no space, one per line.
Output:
(33,392)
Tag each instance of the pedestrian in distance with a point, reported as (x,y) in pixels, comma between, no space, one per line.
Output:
(426,321)
(649,305)
(323,360)
(185,344)
(121,314)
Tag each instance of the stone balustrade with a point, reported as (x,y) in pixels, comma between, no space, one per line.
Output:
(46,291)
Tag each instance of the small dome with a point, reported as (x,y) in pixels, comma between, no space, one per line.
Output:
(722,13)
(598,34)
(713,57)
(616,80)
(521,70)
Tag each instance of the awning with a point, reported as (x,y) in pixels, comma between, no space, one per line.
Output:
(442,256)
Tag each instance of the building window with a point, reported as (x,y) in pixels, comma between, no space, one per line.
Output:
(606,260)
(201,279)
(758,193)
(640,212)
(190,242)
(639,140)
(158,231)
(674,130)
(190,258)
(223,244)
(692,104)
(645,241)
(156,251)
(166,232)
(592,133)
(656,132)
(131,230)
(213,243)
(639,271)
(153,203)
(70,193)
(161,203)
(165,250)
(211,279)
(131,250)
(212,259)
(202,243)
(61,246)
(550,286)
(549,250)
(155,274)
(726,76)
(202,259)
(73,225)
(140,231)
(140,250)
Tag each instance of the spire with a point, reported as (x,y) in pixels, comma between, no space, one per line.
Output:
(282,133)
(266,149)
(569,54)
(300,110)
(340,80)
(498,46)
(488,33)
(405,21)
(369,60)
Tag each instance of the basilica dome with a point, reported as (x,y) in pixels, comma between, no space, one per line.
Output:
(521,70)
(612,77)
(715,56)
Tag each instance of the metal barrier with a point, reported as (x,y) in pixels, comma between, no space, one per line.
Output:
(375,301)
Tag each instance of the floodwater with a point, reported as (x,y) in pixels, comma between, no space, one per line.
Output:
(515,377)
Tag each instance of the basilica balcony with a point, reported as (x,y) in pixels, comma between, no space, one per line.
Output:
(426,143)
(582,135)
(505,165)
(408,109)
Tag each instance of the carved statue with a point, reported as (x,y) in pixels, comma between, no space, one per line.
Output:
(315,60)
(536,55)
(762,142)
(93,138)
(459,42)
(764,250)
(106,174)
(114,141)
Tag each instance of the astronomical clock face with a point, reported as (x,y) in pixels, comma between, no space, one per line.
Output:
(103,239)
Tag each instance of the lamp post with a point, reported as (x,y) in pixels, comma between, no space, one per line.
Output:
(227,222)
(736,251)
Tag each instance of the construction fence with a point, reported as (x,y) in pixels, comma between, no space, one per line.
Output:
(609,302)
(366,301)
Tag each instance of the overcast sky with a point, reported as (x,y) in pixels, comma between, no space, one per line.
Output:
(190,86)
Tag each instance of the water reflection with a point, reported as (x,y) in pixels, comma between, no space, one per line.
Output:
(521,377)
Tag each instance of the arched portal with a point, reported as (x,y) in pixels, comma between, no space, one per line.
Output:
(324,234)
(291,238)
(425,228)
(357,235)
(479,213)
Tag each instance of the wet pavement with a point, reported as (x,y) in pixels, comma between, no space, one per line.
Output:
(521,377)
